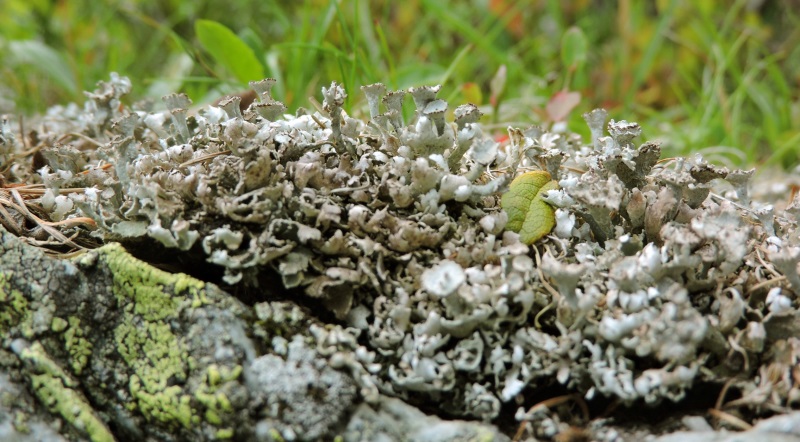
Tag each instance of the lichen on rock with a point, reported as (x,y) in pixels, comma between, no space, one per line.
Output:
(647,279)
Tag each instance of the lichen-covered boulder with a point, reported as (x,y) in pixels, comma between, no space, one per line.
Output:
(107,330)
(105,347)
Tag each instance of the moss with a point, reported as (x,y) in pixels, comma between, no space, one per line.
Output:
(54,388)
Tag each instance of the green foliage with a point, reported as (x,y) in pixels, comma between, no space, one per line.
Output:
(43,60)
(528,214)
(705,74)
(229,50)
(574,48)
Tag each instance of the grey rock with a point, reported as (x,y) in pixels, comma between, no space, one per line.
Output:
(19,420)
(395,421)
(301,397)
(782,428)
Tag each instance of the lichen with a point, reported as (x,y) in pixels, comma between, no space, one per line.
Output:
(157,358)
(299,395)
(651,279)
(75,342)
(145,338)
(212,395)
(14,308)
(55,389)
(144,286)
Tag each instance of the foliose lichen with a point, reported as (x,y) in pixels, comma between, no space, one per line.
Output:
(651,279)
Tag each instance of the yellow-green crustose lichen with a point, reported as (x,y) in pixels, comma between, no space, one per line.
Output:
(218,407)
(21,423)
(55,389)
(14,311)
(159,358)
(79,348)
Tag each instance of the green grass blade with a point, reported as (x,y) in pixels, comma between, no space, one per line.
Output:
(650,52)
(466,29)
(43,59)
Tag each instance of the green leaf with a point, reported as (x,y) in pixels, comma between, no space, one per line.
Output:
(254,42)
(229,50)
(528,214)
(573,48)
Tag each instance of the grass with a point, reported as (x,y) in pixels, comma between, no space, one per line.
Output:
(714,77)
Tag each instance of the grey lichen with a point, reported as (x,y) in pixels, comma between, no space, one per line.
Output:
(651,279)
(149,355)
(299,396)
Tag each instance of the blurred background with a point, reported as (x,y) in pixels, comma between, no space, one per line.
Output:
(717,77)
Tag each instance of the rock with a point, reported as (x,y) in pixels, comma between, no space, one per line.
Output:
(784,428)
(113,348)
(300,397)
(394,420)
(159,355)
(20,418)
